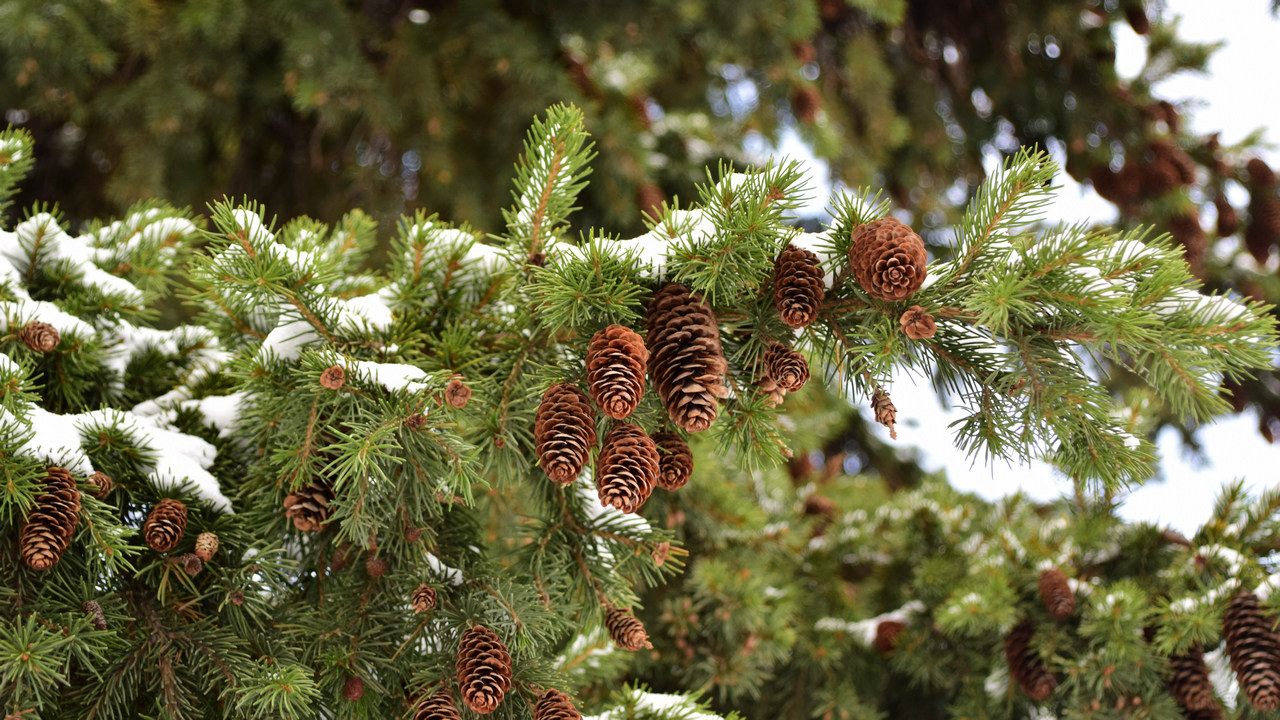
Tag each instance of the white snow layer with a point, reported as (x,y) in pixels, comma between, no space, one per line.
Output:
(865,630)
(643,701)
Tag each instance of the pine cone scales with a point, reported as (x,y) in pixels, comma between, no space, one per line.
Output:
(564,432)
(1189,682)
(627,469)
(686,360)
(39,337)
(786,367)
(484,669)
(165,525)
(798,289)
(626,629)
(555,705)
(1056,594)
(424,598)
(888,259)
(51,523)
(616,364)
(1254,648)
(308,506)
(437,706)
(675,464)
(1025,667)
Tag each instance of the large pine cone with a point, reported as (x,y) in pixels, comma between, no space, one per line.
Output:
(1189,682)
(1260,173)
(626,629)
(1186,230)
(685,357)
(484,669)
(675,464)
(47,531)
(437,706)
(786,367)
(555,705)
(798,288)
(888,259)
(308,506)
(616,364)
(1254,648)
(564,432)
(1228,218)
(627,469)
(165,525)
(1025,666)
(1056,594)
(1174,157)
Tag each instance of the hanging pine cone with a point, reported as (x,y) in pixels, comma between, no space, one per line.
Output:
(918,324)
(1254,648)
(1189,682)
(1158,177)
(555,705)
(627,468)
(564,432)
(1186,230)
(165,525)
(102,485)
(888,259)
(616,363)
(424,598)
(886,413)
(1056,594)
(376,565)
(685,357)
(39,337)
(1228,218)
(786,367)
(437,706)
(96,616)
(308,506)
(51,523)
(484,669)
(206,546)
(887,632)
(626,629)
(1025,666)
(353,688)
(1260,173)
(675,461)
(1175,157)
(1137,17)
(1264,210)
(798,289)
(457,394)
(806,102)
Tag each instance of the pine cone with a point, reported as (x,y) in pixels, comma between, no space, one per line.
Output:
(424,598)
(1264,210)
(887,632)
(96,616)
(457,394)
(786,367)
(308,506)
(806,102)
(675,461)
(1228,218)
(376,565)
(798,289)
(51,523)
(416,421)
(1189,682)
(769,388)
(686,360)
(627,468)
(1056,594)
(1137,17)
(206,546)
(192,564)
(649,199)
(1260,173)
(918,324)
(1175,157)
(39,337)
(886,413)
(1186,230)
(564,432)
(484,669)
(102,485)
(626,629)
(888,259)
(437,706)
(1159,177)
(1254,648)
(353,688)
(165,525)
(1025,666)
(333,377)
(555,705)
(616,364)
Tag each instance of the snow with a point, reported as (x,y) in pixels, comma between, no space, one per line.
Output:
(391,376)
(55,438)
(77,252)
(7,365)
(11,147)
(1222,677)
(26,310)
(373,311)
(600,513)
(865,630)
(288,339)
(586,650)
(453,575)
(642,701)
(251,223)
(1266,587)
(131,340)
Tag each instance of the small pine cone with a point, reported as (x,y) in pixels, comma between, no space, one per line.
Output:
(564,432)
(1159,177)
(798,289)
(341,557)
(1137,17)
(308,506)
(39,337)
(1056,594)
(886,413)
(1025,667)
(96,616)
(353,688)
(769,388)
(375,565)
(1260,173)
(1106,183)
(1228,218)
(334,377)
(1176,158)
(47,531)
(165,525)
(437,706)
(456,393)
(626,629)
(686,359)
(786,367)
(102,484)
(627,468)
(1173,537)
(1254,648)
(236,597)
(555,705)
(424,598)
(918,324)
(661,552)
(806,102)
(888,259)
(675,464)
(416,421)
(206,546)
(192,564)
(887,632)
(484,669)
(1189,682)
(1187,232)
(616,363)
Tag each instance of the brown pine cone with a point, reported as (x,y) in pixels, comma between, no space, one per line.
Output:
(806,102)
(774,395)
(1260,173)
(1159,177)
(888,259)
(1186,230)
(649,199)
(333,378)
(886,413)
(627,468)
(165,525)
(309,506)
(96,616)
(484,669)
(798,289)
(918,324)
(675,461)
(1137,17)
(206,546)
(437,706)
(192,564)
(686,360)
(51,523)
(1254,648)
(376,565)
(564,432)
(424,598)
(1056,594)
(1264,210)
(416,421)
(39,337)
(1025,666)
(102,485)
(1228,218)
(353,688)
(616,363)
(457,394)
(626,629)
(1189,682)
(1176,159)
(555,705)
(786,367)
(887,632)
